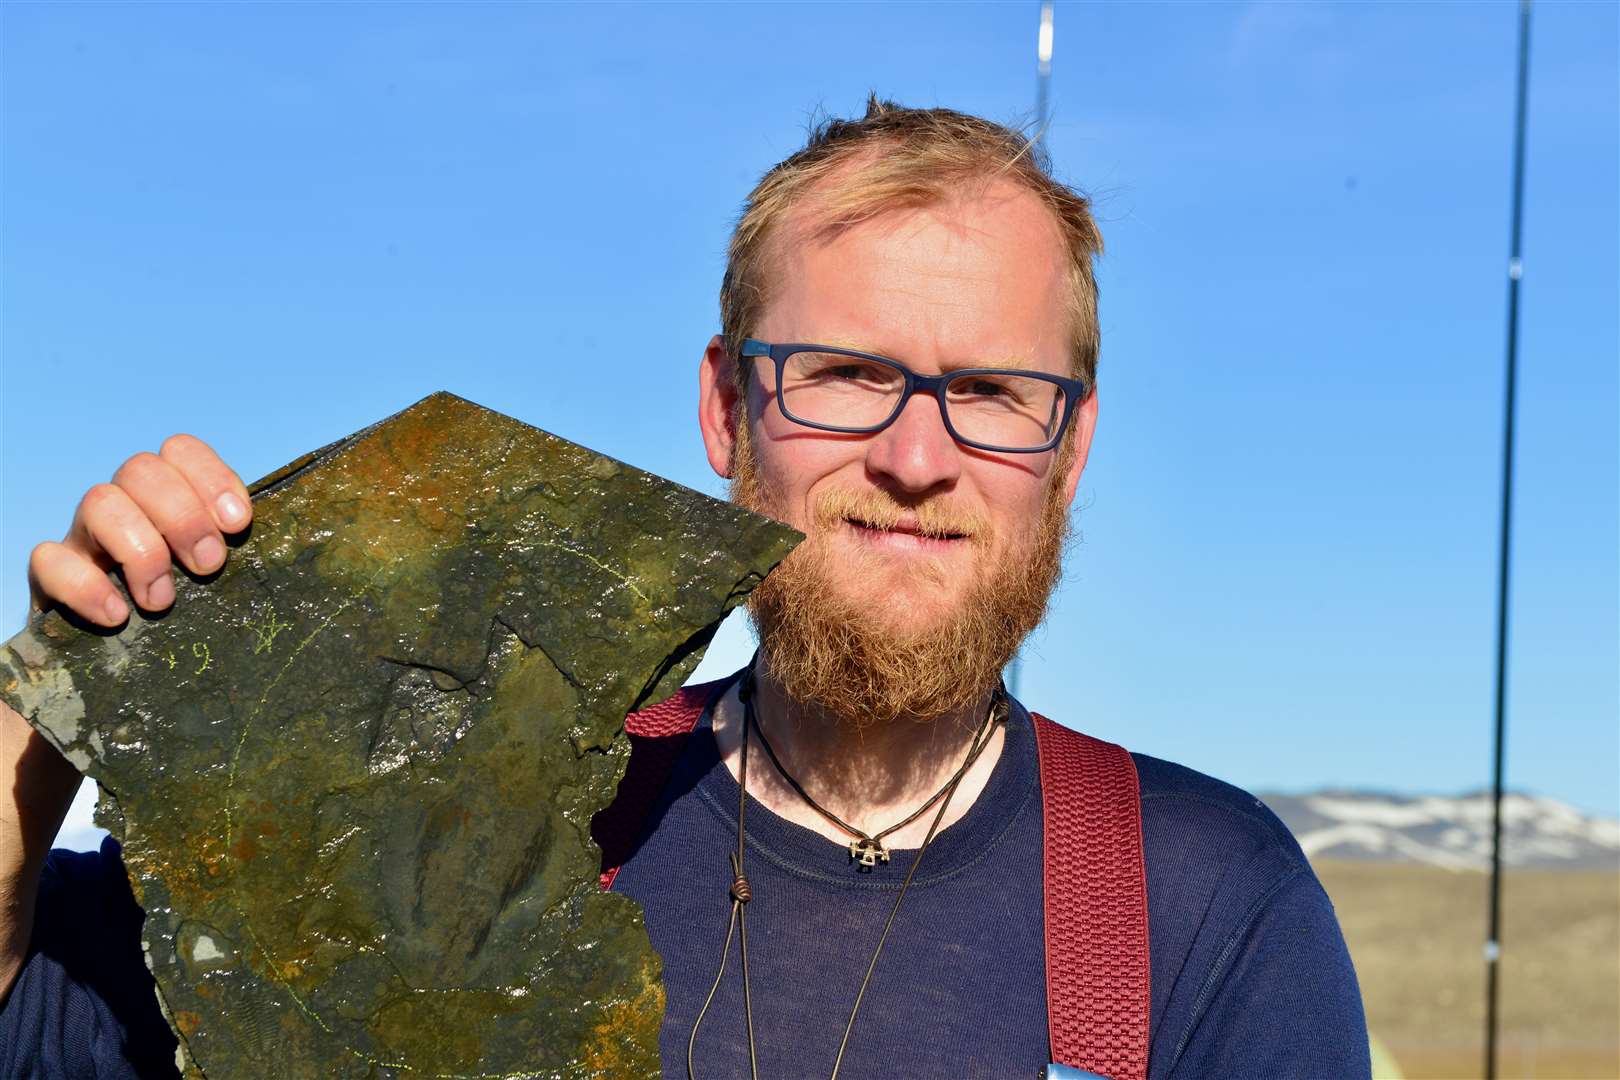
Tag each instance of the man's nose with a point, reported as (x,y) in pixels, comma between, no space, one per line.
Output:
(916,452)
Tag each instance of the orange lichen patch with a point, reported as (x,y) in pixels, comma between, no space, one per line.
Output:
(244,849)
(189,882)
(387,492)
(627,1028)
(440,1033)
(187,1022)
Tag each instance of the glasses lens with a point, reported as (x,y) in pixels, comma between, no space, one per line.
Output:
(1004,409)
(840,391)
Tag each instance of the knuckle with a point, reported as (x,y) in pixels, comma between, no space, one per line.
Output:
(142,545)
(100,497)
(56,573)
(43,555)
(191,524)
(138,468)
(180,445)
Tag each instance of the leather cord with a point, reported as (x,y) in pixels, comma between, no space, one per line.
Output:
(741,893)
(979,742)
(876,839)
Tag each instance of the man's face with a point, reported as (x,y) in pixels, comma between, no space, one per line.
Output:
(979,282)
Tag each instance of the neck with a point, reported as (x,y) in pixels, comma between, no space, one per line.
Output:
(871,776)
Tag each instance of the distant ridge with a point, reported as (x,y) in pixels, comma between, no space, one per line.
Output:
(1453,832)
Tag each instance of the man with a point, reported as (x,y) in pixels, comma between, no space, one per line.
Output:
(905,372)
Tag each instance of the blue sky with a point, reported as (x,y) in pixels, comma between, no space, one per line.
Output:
(270,225)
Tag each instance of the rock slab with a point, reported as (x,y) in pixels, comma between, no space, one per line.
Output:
(353,774)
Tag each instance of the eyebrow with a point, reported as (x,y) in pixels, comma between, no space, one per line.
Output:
(1016,363)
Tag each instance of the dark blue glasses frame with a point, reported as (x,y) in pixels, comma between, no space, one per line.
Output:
(1074,392)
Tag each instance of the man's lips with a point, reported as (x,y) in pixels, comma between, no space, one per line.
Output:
(904,535)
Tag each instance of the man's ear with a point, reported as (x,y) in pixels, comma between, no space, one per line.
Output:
(1085,423)
(718,406)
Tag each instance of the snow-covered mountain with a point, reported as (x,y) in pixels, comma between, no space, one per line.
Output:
(1453,832)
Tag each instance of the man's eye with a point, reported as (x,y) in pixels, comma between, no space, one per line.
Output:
(834,370)
(975,388)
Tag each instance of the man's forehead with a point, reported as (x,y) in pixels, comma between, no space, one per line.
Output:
(897,351)
(847,199)
(935,287)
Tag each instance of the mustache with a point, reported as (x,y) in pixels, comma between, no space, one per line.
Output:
(939,517)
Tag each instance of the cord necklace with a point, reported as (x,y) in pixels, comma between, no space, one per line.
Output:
(741,893)
(867,849)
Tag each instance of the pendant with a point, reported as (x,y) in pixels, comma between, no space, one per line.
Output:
(867,853)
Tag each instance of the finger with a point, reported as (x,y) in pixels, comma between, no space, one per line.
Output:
(111,528)
(165,497)
(58,574)
(216,483)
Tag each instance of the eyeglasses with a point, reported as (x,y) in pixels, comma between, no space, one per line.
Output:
(1006,410)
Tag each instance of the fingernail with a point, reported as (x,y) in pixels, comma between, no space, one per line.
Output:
(117,611)
(231,510)
(208,553)
(160,594)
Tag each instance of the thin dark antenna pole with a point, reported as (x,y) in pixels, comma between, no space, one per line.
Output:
(1493,948)
(1043,70)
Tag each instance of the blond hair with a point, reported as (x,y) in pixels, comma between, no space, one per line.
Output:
(897,157)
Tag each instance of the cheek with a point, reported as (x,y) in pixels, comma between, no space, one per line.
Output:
(794,464)
(1016,510)
(778,477)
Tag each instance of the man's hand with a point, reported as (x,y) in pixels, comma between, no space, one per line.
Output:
(175,506)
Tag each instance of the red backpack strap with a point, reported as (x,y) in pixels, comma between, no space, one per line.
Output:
(657,736)
(1097,974)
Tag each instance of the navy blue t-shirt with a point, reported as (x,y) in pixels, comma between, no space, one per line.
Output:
(1250,974)
(84,1004)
